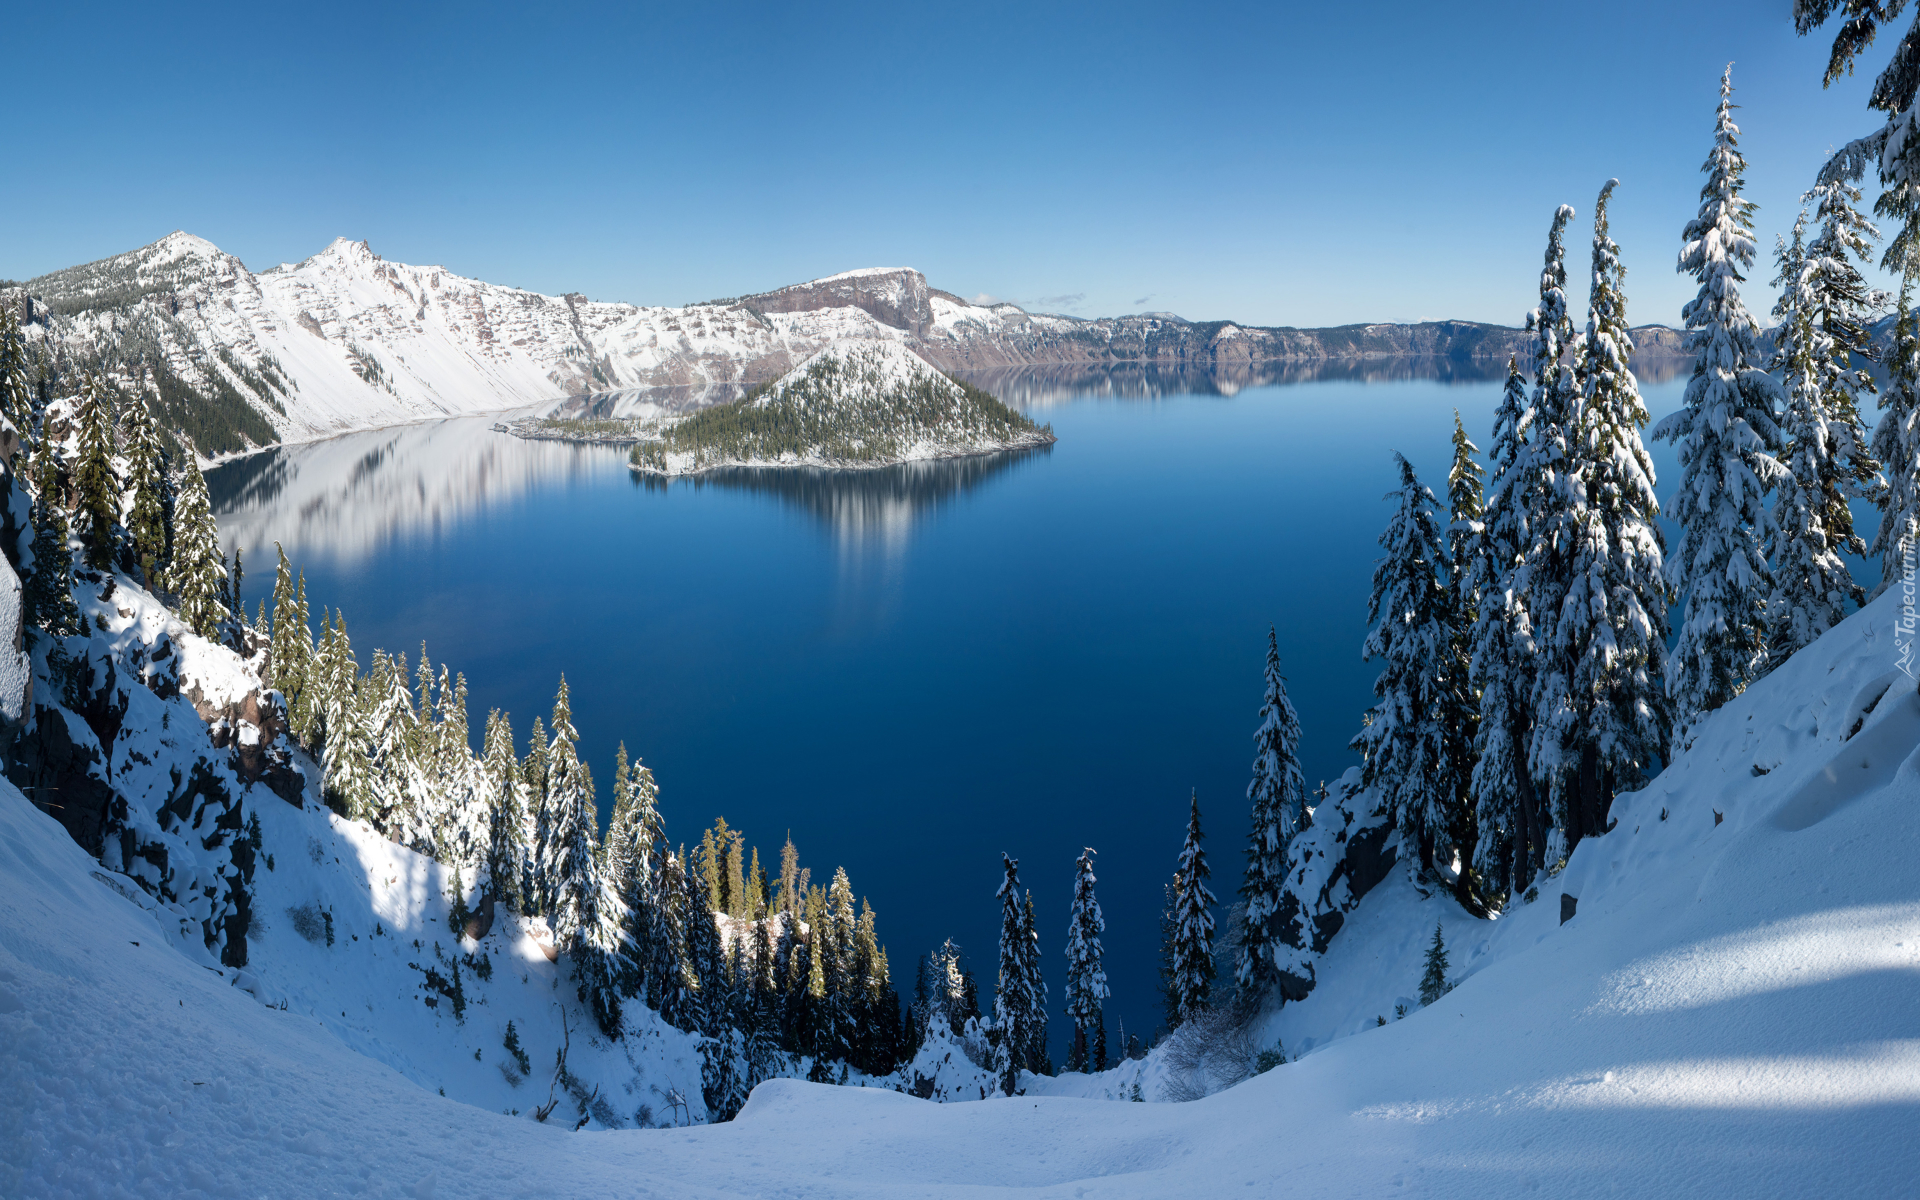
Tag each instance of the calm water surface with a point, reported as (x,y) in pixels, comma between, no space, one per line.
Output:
(912,669)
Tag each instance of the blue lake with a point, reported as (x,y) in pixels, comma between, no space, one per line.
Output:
(917,668)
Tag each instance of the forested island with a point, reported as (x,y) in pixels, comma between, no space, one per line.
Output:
(853,404)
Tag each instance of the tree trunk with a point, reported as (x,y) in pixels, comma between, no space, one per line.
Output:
(1527,839)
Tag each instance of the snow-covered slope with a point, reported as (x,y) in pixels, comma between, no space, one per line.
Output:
(1728,1013)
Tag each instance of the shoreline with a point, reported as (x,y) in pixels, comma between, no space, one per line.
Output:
(834,464)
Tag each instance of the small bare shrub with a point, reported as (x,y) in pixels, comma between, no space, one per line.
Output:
(1214,1050)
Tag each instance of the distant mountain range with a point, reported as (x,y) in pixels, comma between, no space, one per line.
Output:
(347,340)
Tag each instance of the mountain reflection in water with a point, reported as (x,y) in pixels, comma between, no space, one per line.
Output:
(351,494)
(347,496)
(1042,385)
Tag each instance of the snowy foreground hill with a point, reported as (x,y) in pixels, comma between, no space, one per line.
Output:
(1727,1012)
(348,340)
(853,404)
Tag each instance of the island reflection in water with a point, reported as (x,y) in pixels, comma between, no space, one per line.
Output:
(877,506)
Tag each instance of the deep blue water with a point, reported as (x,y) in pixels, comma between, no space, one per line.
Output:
(913,669)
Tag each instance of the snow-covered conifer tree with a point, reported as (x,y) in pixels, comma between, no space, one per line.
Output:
(1896,442)
(1086,972)
(632,852)
(1601,717)
(290,655)
(1466,505)
(1038,1060)
(1510,821)
(347,766)
(533,800)
(670,985)
(1433,983)
(569,833)
(1012,998)
(507,850)
(707,966)
(1727,438)
(1893,149)
(604,953)
(1404,742)
(1555,509)
(1190,966)
(399,811)
(839,968)
(764,1057)
(1824,307)
(96,483)
(199,572)
(1278,798)
(147,477)
(16,394)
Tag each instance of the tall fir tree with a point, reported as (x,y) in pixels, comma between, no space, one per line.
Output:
(633,848)
(1460,723)
(1012,995)
(1820,357)
(1404,742)
(16,389)
(1277,795)
(507,849)
(1087,992)
(147,478)
(1433,982)
(568,832)
(1600,716)
(839,969)
(705,962)
(1191,969)
(95,480)
(1543,576)
(1727,440)
(1038,1060)
(290,653)
(387,702)
(47,599)
(533,801)
(198,575)
(670,983)
(1510,820)
(1896,442)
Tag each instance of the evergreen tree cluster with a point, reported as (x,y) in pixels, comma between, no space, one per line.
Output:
(1522,635)
(765,969)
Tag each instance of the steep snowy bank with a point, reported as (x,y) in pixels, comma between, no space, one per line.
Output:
(1727,1013)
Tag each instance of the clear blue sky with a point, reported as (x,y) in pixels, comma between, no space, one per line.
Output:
(1275,163)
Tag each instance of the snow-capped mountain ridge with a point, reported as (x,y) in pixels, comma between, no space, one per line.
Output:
(348,340)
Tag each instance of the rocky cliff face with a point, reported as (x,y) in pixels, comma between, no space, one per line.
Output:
(348,340)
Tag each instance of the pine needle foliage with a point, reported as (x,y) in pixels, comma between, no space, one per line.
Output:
(1190,968)
(1728,440)
(1277,795)
(1896,442)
